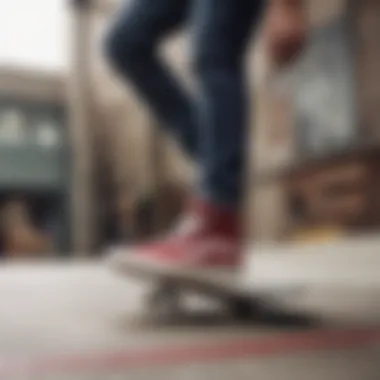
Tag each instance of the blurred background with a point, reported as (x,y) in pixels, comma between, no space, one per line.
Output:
(83,166)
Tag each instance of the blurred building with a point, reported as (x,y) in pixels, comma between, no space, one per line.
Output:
(332,180)
(317,144)
(34,163)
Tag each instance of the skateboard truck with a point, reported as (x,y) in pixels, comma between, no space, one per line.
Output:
(166,300)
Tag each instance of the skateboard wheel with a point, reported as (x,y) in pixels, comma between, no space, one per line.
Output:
(164,302)
(242,308)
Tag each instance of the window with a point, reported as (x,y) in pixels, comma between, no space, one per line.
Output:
(47,133)
(324,97)
(12,127)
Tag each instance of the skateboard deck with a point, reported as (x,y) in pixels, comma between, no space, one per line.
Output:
(169,285)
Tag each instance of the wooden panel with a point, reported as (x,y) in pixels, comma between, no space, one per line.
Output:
(340,194)
(344,209)
(366,33)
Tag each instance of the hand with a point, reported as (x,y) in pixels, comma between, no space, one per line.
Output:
(285,31)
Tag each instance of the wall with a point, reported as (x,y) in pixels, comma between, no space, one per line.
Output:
(32,85)
(127,120)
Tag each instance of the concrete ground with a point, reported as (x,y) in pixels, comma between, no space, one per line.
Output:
(80,321)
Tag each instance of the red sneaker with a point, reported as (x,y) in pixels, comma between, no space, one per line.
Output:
(208,239)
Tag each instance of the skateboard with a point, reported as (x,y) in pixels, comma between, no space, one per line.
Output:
(169,288)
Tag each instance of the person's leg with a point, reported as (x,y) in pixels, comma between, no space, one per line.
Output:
(131,46)
(210,237)
(222,31)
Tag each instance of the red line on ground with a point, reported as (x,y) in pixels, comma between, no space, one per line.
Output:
(204,352)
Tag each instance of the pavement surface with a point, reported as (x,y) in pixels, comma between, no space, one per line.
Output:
(81,321)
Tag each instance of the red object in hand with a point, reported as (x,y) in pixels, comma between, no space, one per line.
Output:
(285,31)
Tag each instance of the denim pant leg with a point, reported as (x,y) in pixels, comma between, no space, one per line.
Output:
(222,29)
(131,46)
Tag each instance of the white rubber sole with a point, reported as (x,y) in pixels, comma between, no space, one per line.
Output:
(137,266)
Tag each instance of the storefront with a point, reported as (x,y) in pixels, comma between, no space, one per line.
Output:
(34,166)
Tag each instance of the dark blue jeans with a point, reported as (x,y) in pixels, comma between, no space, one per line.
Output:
(212,127)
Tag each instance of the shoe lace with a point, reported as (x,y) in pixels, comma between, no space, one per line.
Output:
(187,225)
